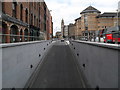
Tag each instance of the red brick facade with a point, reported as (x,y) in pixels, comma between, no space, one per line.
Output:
(24,21)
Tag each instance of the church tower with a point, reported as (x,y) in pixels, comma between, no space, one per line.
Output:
(62,27)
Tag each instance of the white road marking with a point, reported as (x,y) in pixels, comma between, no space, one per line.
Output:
(67,42)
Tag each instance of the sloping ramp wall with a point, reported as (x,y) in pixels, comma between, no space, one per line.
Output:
(99,63)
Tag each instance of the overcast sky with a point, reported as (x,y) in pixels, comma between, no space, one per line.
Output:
(69,10)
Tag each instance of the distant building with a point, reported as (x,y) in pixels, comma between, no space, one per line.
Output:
(62,27)
(89,21)
(78,31)
(92,20)
(107,19)
(51,27)
(66,31)
(58,35)
(71,30)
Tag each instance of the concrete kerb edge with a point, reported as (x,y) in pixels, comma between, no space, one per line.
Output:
(99,45)
(35,73)
(20,44)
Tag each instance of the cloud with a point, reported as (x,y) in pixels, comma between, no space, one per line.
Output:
(69,10)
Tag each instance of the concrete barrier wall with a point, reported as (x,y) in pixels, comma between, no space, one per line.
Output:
(0,69)
(0,49)
(98,62)
(19,61)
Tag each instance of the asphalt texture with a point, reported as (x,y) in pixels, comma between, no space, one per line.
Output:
(59,69)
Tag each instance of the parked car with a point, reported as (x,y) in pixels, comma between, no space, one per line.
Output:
(62,40)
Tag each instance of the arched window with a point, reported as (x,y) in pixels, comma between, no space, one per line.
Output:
(26,34)
(26,16)
(21,31)
(4,32)
(14,34)
(14,8)
(31,35)
(21,12)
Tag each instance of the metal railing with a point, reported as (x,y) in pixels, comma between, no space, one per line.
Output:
(18,38)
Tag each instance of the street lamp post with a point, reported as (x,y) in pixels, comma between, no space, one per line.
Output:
(117,17)
(117,25)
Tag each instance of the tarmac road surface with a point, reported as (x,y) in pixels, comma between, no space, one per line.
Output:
(59,69)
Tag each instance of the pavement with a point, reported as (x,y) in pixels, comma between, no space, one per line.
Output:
(59,69)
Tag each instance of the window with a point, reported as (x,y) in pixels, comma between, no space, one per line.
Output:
(31,21)
(21,32)
(26,34)
(85,20)
(95,12)
(26,18)
(3,9)
(3,32)
(35,20)
(14,34)
(21,12)
(14,8)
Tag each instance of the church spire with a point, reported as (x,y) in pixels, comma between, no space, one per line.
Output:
(62,22)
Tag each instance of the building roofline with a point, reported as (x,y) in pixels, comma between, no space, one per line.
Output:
(108,14)
(77,18)
(90,9)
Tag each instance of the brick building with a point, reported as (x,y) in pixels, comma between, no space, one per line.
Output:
(49,25)
(71,30)
(58,35)
(34,20)
(24,21)
(92,20)
(66,29)
(51,28)
(107,19)
(78,31)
